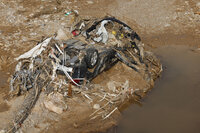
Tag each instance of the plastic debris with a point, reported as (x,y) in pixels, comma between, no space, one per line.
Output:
(114,32)
(75,32)
(37,50)
(68,13)
(103,34)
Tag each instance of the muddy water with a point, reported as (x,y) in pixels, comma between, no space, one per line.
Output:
(173,105)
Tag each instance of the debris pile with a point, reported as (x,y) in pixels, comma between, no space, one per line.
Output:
(66,67)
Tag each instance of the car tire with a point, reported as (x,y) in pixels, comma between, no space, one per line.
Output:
(92,57)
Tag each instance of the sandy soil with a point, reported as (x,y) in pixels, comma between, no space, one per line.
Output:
(24,23)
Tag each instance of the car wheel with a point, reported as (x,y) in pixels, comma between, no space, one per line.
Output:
(92,57)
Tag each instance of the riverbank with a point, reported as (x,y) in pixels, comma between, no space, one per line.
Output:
(24,23)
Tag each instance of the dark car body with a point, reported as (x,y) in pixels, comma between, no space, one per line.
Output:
(88,60)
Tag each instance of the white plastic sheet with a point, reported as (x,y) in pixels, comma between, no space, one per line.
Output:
(37,50)
(103,34)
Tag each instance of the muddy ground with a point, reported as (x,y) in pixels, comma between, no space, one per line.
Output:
(23,23)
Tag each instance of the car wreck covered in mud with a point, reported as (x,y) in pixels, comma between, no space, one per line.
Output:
(81,56)
(96,46)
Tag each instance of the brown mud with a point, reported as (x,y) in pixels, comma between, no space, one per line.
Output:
(158,22)
(4,107)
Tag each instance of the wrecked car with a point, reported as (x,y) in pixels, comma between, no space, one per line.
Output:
(88,60)
(97,45)
(83,60)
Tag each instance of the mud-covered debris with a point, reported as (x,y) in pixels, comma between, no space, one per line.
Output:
(53,107)
(61,35)
(110,113)
(111,86)
(96,106)
(55,103)
(63,67)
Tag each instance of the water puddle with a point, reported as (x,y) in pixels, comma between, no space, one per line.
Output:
(173,105)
